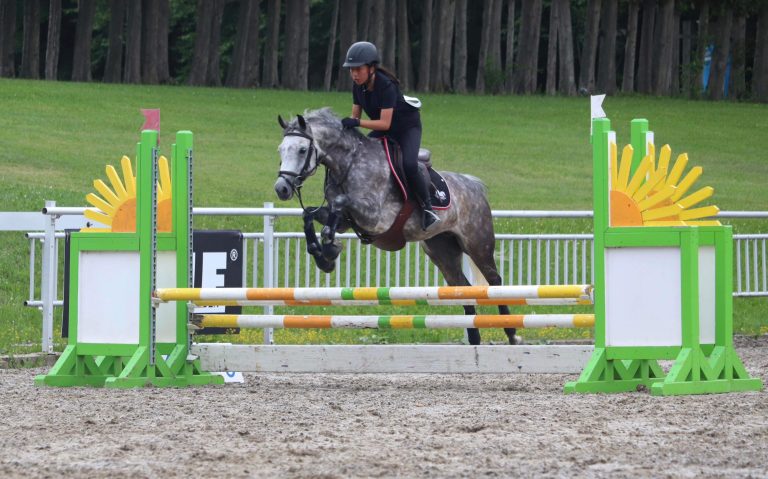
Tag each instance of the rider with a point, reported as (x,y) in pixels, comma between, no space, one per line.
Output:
(377,91)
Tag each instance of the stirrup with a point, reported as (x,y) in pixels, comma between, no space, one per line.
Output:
(429,219)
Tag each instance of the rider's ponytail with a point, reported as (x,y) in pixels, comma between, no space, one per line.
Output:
(389,74)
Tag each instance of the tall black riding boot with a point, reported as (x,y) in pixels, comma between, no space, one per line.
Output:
(429,217)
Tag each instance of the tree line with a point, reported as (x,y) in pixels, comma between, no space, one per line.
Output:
(694,48)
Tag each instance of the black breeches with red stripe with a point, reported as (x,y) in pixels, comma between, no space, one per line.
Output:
(410,141)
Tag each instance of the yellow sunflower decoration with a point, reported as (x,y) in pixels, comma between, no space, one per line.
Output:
(116,207)
(657,195)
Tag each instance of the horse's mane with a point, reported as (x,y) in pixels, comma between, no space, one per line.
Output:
(326,125)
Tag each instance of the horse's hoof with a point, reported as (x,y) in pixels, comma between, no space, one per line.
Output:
(331,251)
(324,264)
(327,267)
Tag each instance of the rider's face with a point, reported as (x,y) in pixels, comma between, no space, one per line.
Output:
(361,74)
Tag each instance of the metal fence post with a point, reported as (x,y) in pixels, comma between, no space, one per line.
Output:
(48,279)
(269,266)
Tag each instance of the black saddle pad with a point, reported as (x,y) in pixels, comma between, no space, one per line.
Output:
(438,188)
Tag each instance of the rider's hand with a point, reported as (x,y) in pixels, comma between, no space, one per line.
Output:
(350,122)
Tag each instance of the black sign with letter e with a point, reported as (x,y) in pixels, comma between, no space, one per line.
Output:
(218,263)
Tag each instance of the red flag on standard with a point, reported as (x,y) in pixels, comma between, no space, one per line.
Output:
(151,119)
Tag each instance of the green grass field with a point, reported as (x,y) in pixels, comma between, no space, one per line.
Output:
(532,153)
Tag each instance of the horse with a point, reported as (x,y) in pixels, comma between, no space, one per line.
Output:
(361,195)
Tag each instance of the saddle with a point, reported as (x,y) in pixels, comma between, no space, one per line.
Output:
(438,188)
(393,239)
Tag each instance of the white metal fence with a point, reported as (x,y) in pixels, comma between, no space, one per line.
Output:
(751,259)
(274,258)
(522,259)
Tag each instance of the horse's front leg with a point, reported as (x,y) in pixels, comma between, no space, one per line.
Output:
(331,247)
(313,245)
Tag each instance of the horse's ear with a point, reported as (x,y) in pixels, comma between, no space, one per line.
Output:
(302,122)
(282,122)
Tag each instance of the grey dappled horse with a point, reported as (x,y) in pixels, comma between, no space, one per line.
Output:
(361,196)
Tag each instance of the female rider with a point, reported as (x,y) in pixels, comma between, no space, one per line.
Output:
(377,92)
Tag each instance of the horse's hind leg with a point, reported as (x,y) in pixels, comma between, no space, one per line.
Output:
(445,252)
(481,253)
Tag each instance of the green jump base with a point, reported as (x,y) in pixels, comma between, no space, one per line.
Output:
(125,372)
(693,372)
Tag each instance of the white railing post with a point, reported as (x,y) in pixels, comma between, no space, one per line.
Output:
(269,266)
(32,246)
(48,278)
(737,247)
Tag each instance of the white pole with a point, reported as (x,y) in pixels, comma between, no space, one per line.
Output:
(48,287)
(269,274)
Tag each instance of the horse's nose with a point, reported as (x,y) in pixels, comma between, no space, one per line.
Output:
(283,189)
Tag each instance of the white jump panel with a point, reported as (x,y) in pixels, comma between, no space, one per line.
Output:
(108,297)
(423,358)
(165,319)
(642,297)
(707,295)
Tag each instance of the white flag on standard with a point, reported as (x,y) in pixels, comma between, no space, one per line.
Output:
(596,103)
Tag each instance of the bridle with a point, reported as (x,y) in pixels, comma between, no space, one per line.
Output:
(305,172)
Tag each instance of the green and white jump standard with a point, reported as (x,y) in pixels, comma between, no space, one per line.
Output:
(117,338)
(661,292)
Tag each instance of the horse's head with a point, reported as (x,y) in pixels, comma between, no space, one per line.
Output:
(298,157)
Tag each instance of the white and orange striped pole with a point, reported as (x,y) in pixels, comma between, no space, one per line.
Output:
(480,294)
(395,322)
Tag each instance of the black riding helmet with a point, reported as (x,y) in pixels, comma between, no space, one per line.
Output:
(361,53)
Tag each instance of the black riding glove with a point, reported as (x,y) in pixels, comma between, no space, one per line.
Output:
(350,122)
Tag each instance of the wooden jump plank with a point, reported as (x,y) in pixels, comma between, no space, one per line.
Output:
(421,358)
